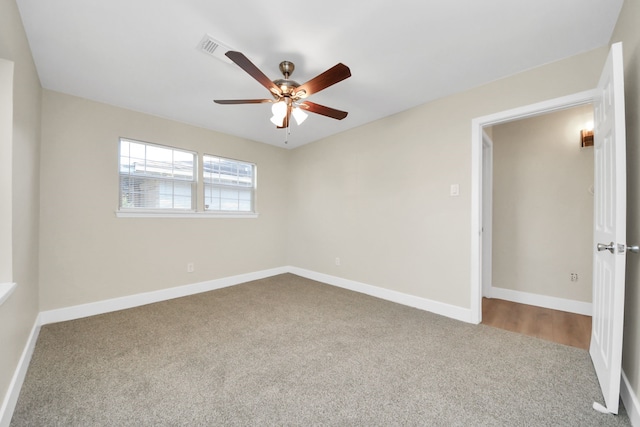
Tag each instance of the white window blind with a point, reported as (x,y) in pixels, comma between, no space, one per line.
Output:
(229,185)
(154,177)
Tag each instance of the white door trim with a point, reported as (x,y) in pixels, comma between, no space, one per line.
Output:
(487,214)
(477,126)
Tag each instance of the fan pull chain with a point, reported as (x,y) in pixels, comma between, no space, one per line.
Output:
(287,133)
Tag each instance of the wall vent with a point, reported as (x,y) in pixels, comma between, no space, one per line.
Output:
(213,47)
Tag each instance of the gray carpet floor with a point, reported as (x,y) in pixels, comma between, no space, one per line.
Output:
(289,351)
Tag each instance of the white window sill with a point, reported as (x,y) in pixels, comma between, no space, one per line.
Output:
(5,290)
(165,214)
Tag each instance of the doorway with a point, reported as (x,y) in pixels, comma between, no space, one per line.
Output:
(537,261)
(541,200)
(478,134)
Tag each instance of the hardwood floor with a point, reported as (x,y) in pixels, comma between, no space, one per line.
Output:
(551,325)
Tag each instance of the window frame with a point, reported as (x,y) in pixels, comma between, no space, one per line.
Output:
(146,210)
(198,193)
(252,188)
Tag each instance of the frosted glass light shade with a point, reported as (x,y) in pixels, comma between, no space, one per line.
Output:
(279,109)
(299,115)
(277,120)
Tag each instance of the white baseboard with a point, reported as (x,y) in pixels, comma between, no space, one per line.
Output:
(448,310)
(121,303)
(11,397)
(554,303)
(130,301)
(630,401)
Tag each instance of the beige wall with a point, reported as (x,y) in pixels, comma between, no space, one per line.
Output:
(628,32)
(6,163)
(18,313)
(378,196)
(87,254)
(542,207)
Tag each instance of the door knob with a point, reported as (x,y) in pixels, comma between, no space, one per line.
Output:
(604,247)
(635,249)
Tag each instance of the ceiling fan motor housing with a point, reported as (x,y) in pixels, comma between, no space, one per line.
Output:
(287,85)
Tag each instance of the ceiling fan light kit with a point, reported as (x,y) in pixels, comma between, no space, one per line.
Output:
(290,96)
(299,115)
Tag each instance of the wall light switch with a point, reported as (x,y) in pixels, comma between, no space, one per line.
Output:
(455,190)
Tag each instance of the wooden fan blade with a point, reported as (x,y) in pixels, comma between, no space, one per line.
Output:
(322,110)
(333,75)
(241,101)
(248,66)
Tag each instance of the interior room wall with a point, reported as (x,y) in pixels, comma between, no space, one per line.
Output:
(378,196)
(542,205)
(6,165)
(628,32)
(88,255)
(18,313)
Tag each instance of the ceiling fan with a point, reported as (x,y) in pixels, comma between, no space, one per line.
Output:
(288,95)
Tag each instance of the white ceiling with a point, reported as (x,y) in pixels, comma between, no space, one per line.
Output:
(143,54)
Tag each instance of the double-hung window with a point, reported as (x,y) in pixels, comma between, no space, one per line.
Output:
(229,185)
(154,177)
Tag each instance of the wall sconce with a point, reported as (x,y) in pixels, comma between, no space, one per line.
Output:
(586,138)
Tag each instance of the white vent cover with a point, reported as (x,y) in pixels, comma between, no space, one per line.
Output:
(213,47)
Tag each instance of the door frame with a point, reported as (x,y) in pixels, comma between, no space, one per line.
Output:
(477,129)
(487,214)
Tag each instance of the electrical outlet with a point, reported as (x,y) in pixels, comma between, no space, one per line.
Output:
(191,267)
(574,277)
(337,261)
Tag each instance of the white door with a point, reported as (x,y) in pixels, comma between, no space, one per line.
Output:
(609,229)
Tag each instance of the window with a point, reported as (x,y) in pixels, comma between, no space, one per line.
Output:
(166,182)
(154,177)
(229,185)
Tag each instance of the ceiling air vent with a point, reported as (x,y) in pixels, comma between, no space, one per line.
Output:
(213,47)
